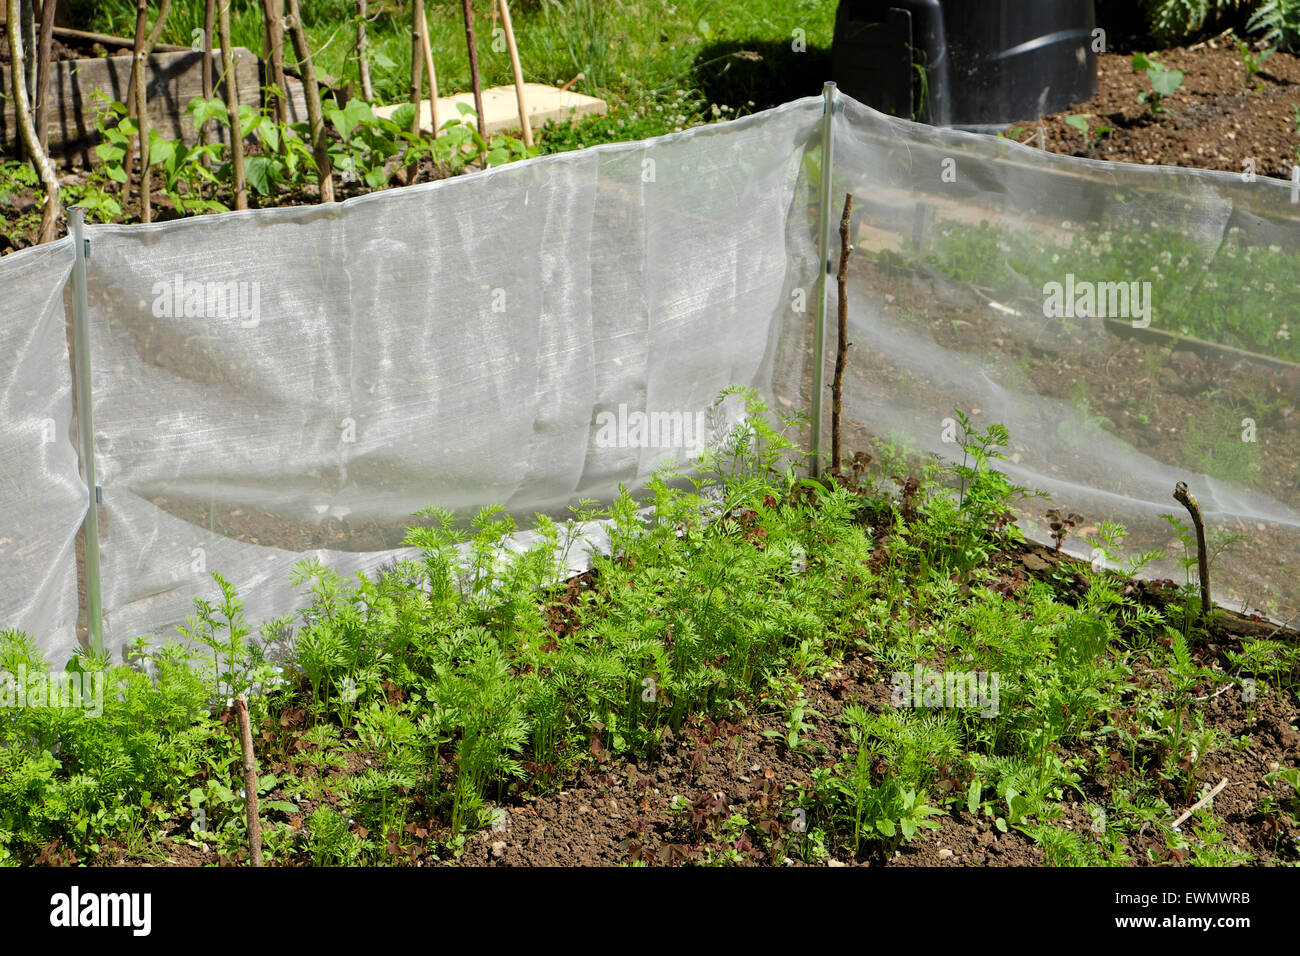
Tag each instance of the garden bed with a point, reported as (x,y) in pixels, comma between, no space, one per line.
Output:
(1217,119)
(721,689)
(618,812)
(724,689)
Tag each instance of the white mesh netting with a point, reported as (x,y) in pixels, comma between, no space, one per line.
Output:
(283,383)
(970,254)
(42,496)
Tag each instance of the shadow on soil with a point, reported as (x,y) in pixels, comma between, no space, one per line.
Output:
(733,72)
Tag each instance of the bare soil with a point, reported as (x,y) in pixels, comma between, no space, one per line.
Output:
(615,812)
(1214,120)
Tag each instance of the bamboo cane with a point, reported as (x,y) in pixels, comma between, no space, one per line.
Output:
(156,33)
(427,47)
(27,128)
(239,180)
(363,65)
(417,72)
(315,116)
(264,93)
(524,125)
(138,97)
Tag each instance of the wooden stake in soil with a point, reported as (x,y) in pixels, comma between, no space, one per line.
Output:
(44,50)
(419,26)
(363,64)
(209,24)
(315,116)
(842,349)
(228,83)
(250,781)
(273,10)
(417,62)
(473,68)
(27,127)
(138,101)
(1185,498)
(138,96)
(524,126)
(29,44)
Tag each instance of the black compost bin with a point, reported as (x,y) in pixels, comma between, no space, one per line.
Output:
(970,63)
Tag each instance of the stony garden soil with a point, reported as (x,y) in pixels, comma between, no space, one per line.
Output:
(615,812)
(1214,121)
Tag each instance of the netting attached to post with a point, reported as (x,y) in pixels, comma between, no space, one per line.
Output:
(42,496)
(298,379)
(1131,326)
(285,383)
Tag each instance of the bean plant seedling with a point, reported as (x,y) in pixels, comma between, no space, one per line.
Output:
(1251,62)
(1090,134)
(1164,82)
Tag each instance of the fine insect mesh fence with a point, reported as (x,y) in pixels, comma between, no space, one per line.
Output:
(1131,326)
(302,380)
(42,496)
(287,383)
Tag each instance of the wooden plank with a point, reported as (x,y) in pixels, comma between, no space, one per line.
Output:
(1174,341)
(105,39)
(174,79)
(501,107)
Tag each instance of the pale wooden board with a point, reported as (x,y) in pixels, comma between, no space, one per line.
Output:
(501,108)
